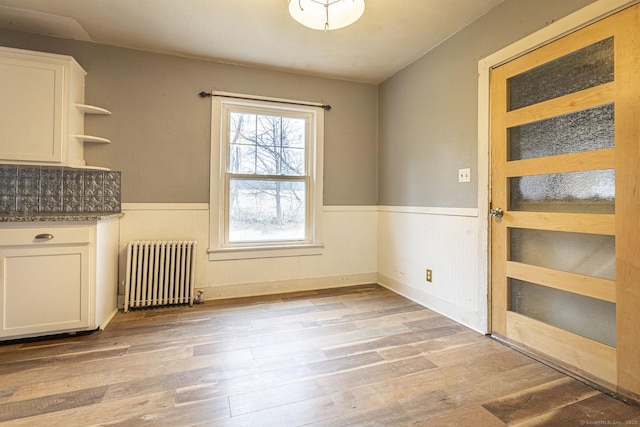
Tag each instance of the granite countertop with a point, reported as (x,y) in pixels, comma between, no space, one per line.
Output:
(36,217)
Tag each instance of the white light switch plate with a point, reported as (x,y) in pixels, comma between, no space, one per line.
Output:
(464,175)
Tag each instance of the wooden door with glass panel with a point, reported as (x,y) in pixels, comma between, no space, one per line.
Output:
(565,197)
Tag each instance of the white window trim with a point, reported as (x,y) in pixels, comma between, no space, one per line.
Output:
(218,250)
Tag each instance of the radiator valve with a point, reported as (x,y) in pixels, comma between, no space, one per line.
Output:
(200,298)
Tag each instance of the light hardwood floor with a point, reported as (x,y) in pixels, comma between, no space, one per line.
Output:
(357,356)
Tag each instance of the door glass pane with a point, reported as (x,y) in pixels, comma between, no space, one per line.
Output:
(588,67)
(588,254)
(262,210)
(589,317)
(581,131)
(574,192)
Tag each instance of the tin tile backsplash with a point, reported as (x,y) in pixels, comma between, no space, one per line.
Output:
(54,189)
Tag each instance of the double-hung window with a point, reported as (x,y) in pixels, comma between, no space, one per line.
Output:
(266,179)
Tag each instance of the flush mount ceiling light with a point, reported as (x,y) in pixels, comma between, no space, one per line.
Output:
(326,14)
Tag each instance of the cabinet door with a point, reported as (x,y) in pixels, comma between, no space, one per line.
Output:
(31,110)
(43,290)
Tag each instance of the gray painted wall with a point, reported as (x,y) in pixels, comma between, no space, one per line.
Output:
(400,143)
(160,128)
(428,115)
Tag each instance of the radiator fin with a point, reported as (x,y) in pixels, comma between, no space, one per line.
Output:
(160,273)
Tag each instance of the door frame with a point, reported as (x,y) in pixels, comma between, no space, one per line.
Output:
(581,18)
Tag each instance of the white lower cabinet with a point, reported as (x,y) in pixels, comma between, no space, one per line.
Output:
(45,289)
(57,278)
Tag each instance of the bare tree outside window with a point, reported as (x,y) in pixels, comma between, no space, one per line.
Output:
(267,178)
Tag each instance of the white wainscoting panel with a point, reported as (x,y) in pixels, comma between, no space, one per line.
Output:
(349,256)
(363,244)
(412,240)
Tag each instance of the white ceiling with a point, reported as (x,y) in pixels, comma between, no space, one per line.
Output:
(390,35)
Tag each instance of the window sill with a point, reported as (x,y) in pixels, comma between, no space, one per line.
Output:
(224,254)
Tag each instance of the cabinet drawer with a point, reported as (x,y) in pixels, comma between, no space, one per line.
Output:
(44,235)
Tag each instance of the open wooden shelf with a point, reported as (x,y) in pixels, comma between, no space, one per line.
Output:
(92,109)
(91,138)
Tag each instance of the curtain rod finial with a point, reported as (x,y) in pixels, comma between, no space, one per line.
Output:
(204,94)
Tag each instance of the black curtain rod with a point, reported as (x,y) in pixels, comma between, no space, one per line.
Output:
(209,94)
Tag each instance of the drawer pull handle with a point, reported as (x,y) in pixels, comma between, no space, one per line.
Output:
(44,236)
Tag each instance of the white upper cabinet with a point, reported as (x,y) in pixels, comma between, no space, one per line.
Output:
(42,109)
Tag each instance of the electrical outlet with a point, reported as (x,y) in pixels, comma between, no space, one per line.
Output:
(429,275)
(464,175)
